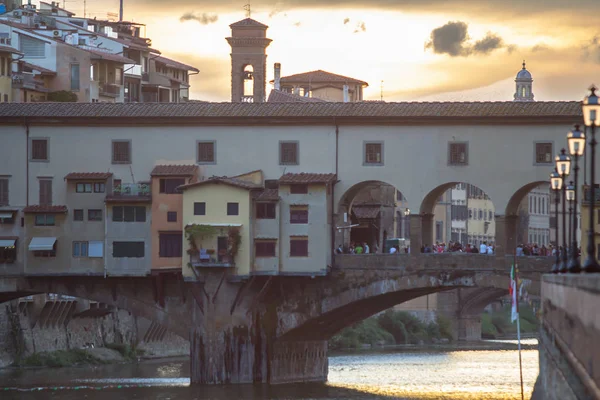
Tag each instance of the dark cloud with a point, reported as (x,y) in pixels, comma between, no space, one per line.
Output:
(591,50)
(453,39)
(511,48)
(204,19)
(539,47)
(346,20)
(360,27)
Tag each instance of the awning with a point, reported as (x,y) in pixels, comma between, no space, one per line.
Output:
(217,225)
(7,242)
(42,243)
(6,215)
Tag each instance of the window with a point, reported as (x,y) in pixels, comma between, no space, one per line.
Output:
(299,247)
(121,152)
(265,248)
(3,191)
(45,192)
(543,153)
(298,189)
(298,214)
(171,216)
(83,188)
(32,47)
(8,255)
(439,231)
(128,249)
(206,152)
(233,208)
(485,214)
(288,153)
(170,244)
(80,249)
(75,77)
(99,187)
(200,208)
(170,185)
(94,215)
(458,154)
(470,214)
(39,149)
(77,215)
(373,153)
(491,216)
(129,214)
(44,220)
(96,249)
(265,210)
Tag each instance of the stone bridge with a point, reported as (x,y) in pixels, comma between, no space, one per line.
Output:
(275,329)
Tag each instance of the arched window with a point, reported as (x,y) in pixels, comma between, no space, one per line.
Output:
(248,80)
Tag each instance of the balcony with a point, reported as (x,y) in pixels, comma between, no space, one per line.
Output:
(27,81)
(210,258)
(130,192)
(133,69)
(212,245)
(110,89)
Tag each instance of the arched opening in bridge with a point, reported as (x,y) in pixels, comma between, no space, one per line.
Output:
(374,213)
(457,216)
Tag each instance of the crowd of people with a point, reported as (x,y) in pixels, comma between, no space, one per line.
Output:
(531,249)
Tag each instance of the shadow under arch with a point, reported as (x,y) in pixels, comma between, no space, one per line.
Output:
(479,299)
(350,194)
(512,208)
(430,200)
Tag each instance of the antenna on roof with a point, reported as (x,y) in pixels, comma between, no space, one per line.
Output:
(381,94)
(247,7)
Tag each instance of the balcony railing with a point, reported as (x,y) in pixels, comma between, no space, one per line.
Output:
(132,189)
(110,89)
(209,258)
(27,81)
(247,99)
(132,69)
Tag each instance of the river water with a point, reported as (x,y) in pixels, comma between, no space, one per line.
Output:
(384,374)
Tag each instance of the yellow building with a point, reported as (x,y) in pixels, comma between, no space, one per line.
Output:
(6,59)
(585,220)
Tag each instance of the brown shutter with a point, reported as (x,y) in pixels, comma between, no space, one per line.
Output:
(121,152)
(39,149)
(45,192)
(3,192)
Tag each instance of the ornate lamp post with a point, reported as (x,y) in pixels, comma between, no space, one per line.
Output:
(556,185)
(576,141)
(570,199)
(591,118)
(563,165)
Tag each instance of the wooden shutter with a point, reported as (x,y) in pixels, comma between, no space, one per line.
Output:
(39,149)
(288,153)
(3,192)
(121,152)
(206,152)
(45,192)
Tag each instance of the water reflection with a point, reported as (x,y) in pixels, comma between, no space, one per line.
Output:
(377,375)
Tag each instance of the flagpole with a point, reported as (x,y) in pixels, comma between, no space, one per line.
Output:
(518,325)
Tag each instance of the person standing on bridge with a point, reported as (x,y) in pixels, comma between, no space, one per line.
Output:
(483,248)
(366,248)
(393,250)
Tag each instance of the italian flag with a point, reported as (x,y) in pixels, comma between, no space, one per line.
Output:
(513,294)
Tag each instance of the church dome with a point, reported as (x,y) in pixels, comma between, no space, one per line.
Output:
(524,74)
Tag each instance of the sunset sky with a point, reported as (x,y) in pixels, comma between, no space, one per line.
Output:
(422,50)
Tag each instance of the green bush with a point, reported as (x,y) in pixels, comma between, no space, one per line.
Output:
(62,96)
(128,352)
(364,332)
(59,358)
(445,327)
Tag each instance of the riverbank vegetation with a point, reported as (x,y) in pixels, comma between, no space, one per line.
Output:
(498,324)
(392,327)
(60,358)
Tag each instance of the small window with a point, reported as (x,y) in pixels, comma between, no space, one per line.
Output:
(140,214)
(39,149)
(84,188)
(299,189)
(80,249)
(121,152)
(373,154)
(3,191)
(457,154)
(543,153)
(170,185)
(299,215)
(299,247)
(94,215)
(44,220)
(129,214)
(128,249)
(45,192)
(491,216)
(75,77)
(170,244)
(171,216)
(265,210)
(77,215)
(265,248)
(206,152)
(96,249)
(288,153)
(99,187)
(233,208)
(200,208)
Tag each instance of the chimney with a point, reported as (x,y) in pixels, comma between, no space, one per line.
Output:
(346,96)
(277,76)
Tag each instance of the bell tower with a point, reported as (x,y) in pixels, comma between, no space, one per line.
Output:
(249,44)
(524,85)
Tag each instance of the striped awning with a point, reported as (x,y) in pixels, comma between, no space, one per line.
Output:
(42,243)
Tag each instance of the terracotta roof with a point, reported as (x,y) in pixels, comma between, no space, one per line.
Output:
(89,175)
(175,64)
(278,96)
(427,112)
(45,209)
(365,212)
(320,76)
(266,195)
(306,178)
(247,22)
(174,170)
(9,49)
(109,56)
(44,71)
(228,181)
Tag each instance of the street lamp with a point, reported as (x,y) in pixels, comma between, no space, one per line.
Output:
(576,141)
(570,199)
(591,117)
(563,165)
(556,185)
